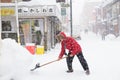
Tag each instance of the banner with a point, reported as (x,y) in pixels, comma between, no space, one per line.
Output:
(7,11)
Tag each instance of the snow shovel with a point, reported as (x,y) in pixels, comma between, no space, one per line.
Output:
(38,64)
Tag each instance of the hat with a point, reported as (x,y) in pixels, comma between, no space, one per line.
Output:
(62,34)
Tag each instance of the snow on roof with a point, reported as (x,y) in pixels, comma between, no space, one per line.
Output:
(39,2)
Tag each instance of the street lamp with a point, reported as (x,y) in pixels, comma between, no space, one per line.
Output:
(17,22)
(71,17)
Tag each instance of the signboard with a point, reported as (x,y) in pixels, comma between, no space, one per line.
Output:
(44,10)
(7,11)
(63,11)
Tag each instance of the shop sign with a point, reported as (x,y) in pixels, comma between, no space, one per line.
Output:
(32,10)
(37,10)
(7,11)
(63,11)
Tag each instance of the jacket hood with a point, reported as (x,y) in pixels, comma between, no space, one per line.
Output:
(63,34)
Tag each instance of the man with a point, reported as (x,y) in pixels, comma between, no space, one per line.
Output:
(74,49)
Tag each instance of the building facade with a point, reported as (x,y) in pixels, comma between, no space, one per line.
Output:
(109,19)
(30,24)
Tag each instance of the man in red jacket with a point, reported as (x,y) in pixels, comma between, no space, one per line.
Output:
(74,49)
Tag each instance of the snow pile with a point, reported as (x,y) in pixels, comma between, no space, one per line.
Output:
(110,37)
(118,38)
(14,59)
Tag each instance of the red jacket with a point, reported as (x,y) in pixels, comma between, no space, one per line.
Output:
(71,44)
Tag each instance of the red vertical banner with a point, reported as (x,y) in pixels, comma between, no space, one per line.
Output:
(26,30)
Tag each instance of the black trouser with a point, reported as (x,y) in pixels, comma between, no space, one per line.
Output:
(81,59)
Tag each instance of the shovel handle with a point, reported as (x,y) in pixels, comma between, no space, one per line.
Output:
(52,61)
(38,65)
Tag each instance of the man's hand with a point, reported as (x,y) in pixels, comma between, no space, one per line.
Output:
(59,58)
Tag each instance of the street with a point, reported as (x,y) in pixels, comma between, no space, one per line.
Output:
(102,58)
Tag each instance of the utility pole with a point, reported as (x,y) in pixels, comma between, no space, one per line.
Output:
(71,17)
(17,19)
(0,33)
(0,23)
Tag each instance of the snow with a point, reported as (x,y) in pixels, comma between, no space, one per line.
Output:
(38,2)
(102,57)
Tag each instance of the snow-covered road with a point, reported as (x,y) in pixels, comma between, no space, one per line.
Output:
(102,57)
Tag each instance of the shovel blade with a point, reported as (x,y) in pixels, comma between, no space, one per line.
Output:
(36,66)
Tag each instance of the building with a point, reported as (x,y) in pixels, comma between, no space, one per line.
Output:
(24,23)
(110,16)
(45,17)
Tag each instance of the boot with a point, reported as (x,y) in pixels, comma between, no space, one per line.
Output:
(69,71)
(87,72)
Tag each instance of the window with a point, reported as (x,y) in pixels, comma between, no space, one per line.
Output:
(6,26)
